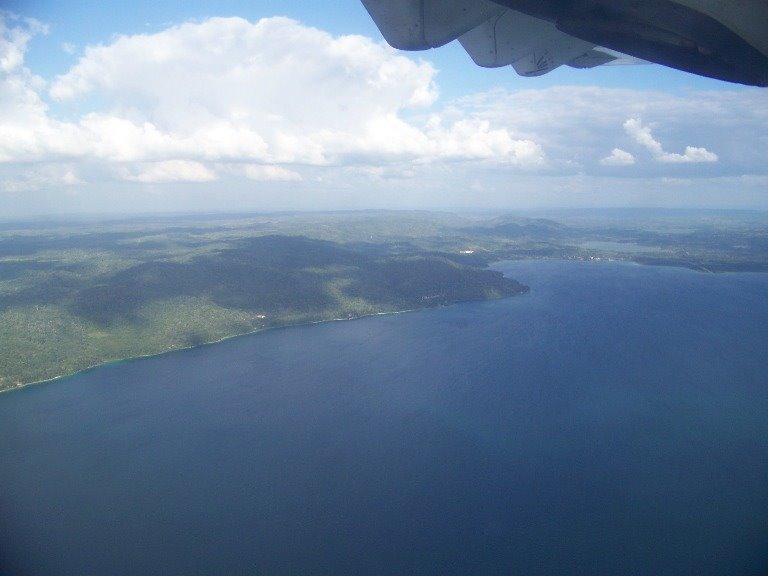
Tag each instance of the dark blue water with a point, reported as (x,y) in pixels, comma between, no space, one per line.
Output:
(612,422)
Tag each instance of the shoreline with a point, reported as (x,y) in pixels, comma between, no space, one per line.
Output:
(211,343)
(638,262)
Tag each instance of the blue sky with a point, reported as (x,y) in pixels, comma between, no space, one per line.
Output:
(150,106)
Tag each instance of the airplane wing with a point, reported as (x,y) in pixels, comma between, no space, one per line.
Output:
(714,38)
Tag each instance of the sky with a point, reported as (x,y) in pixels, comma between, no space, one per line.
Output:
(140,107)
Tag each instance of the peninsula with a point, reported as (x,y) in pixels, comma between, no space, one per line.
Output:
(72,297)
(79,293)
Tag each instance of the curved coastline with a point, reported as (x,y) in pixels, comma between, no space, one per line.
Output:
(211,343)
(494,265)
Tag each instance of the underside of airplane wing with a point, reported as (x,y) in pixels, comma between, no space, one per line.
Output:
(723,40)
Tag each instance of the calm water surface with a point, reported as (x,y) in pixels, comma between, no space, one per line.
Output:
(612,422)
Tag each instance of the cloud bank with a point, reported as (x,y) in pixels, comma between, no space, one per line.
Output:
(227,104)
(268,93)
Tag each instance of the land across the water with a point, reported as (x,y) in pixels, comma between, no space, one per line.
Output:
(79,293)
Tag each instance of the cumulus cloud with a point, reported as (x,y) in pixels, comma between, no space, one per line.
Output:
(228,101)
(15,34)
(270,92)
(572,124)
(266,95)
(618,157)
(642,135)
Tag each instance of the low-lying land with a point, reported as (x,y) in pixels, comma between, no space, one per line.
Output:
(78,294)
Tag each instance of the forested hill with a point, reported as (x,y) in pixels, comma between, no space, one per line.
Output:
(285,278)
(80,300)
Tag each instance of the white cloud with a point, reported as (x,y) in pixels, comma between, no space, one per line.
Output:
(70,178)
(572,124)
(167,171)
(618,157)
(474,138)
(270,173)
(226,90)
(15,34)
(44,176)
(642,135)
(227,101)
(385,173)
(270,91)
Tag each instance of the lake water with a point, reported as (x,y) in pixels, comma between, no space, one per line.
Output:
(614,421)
